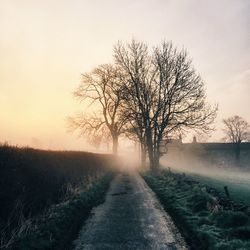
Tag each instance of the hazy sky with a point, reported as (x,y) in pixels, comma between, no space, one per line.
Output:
(45,45)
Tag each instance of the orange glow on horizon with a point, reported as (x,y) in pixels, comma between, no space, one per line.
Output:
(46,45)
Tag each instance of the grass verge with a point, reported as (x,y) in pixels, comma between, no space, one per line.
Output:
(199,214)
(239,188)
(57,228)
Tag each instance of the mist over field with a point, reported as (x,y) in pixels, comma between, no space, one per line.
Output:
(230,174)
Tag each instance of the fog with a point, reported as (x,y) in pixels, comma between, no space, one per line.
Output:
(229,174)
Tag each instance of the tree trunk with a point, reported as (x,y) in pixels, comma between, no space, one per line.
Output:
(156,158)
(143,155)
(156,162)
(150,149)
(115,144)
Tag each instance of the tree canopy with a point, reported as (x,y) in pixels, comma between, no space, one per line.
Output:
(102,87)
(146,94)
(236,129)
(164,94)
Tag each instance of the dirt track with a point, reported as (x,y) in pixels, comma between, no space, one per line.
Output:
(130,218)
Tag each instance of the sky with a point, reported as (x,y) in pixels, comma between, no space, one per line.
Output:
(46,45)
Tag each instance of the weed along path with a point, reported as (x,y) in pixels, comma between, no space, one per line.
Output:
(130,218)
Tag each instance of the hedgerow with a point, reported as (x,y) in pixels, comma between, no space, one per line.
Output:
(58,227)
(31,181)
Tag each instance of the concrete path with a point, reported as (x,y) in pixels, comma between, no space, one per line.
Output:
(130,218)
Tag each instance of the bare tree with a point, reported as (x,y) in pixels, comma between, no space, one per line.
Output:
(135,65)
(88,126)
(95,140)
(164,90)
(136,132)
(237,130)
(103,88)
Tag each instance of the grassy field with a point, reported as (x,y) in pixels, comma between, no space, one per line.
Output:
(31,181)
(238,184)
(57,228)
(207,220)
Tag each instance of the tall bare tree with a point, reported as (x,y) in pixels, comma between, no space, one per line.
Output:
(237,130)
(134,62)
(165,90)
(103,88)
(135,131)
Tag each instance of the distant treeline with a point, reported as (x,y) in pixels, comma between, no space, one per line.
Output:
(32,180)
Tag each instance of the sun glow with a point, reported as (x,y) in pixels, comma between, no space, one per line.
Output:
(45,45)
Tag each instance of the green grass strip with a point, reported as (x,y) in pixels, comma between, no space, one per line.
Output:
(203,223)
